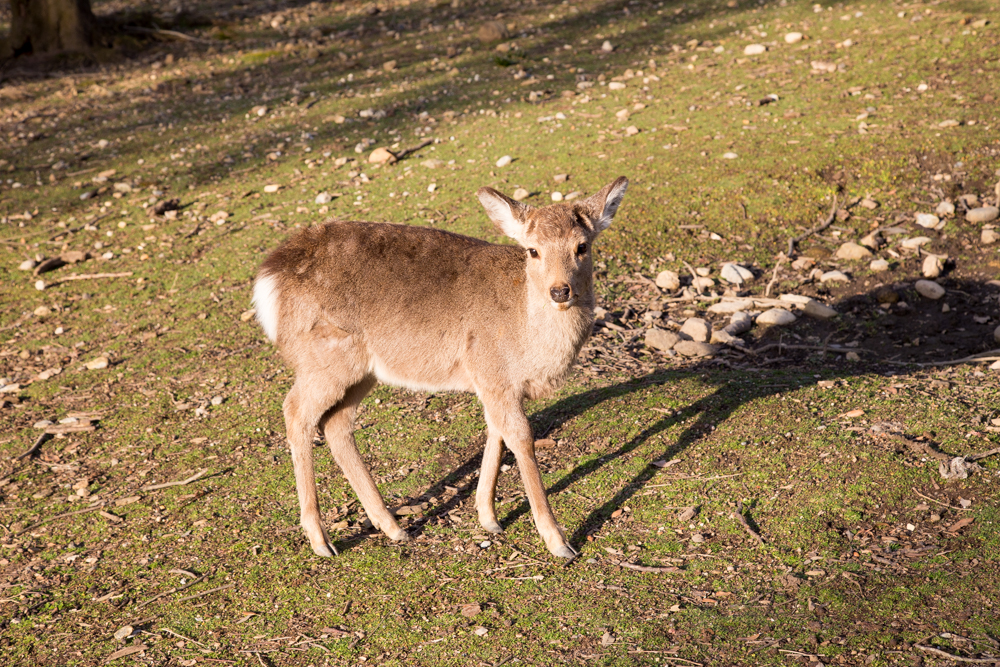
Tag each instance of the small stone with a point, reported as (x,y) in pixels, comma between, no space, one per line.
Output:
(970,200)
(631,130)
(659,339)
(869,204)
(927,220)
(272,188)
(607,639)
(820,311)
(983,214)
(40,285)
(248,315)
(219,217)
(607,47)
(259,111)
(504,161)
(42,311)
(433,163)
(380,155)
(852,356)
(736,274)
(687,514)
(521,194)
(26,265)
(723,337)
(995,366)
(697,538)
(703,271)
(793,37)
(691,348)
(42,423)
(823,66)
(389,66)
(668,280)
(323,198)
(97,364)
(754,49)
(432,187)
(739,322)
(933,266)
(492,31)
(485,544)
(851,250)
(988,236)
(730,307)
(124,632)
(217,400)
(951,122)
(560,178)
(945,208)
(616,85)
(557,196)
(697,329)
(834,276)
(914,242)
(729,156)
(803,263)
(879,265)
(874,241)
(481,631)
(929,289)
(777,317)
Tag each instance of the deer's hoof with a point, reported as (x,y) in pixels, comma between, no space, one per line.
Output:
(565,551)
(491,526)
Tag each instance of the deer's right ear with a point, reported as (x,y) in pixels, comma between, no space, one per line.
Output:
(507,214)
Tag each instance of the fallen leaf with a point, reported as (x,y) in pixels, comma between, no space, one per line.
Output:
(960,524)
(687,514)
(852,414)
(470,610)
(128,650)
(544,443)
(608,639)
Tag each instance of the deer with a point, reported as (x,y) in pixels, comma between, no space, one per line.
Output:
(351,304)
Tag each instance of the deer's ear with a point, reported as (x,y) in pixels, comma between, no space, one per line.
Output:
(507,214)
(603,205)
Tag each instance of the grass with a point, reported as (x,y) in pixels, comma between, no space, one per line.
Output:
(841,576)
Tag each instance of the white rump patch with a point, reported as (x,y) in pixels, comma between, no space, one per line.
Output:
(265,300)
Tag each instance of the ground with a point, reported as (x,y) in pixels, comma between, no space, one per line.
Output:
(825,437)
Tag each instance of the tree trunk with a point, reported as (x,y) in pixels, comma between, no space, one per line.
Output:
(51,26)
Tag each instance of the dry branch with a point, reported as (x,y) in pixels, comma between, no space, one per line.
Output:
(738,515)
(183,482)
(815,230)
(956,658)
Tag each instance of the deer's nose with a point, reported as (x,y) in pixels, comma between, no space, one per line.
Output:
(560,293)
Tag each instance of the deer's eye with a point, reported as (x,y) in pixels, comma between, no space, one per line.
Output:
(581,249)
(533,253)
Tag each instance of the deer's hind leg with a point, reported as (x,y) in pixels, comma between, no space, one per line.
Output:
(338,426)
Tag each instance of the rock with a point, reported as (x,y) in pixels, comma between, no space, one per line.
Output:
(927,220)
(616,85)
(74,256)
(248,315)
(996,334)
(820,311)
(218,400)
(823,66)
(933,266)
(951,122)
(380,155)
(945,208)
(668,280)
(492,31)
(851,250)
(777,317)
(879,265)
(989,236)
(123,187)
(983,214)
(995,366)
(272,188)
(323,198)
(793,37)
(929,289)
(631,131)
(697,329)
(702,283)
(97,364)
(124,632)
(736,274)
(433,163)
(219,217)
(40,285)
(723,337)
(803,263)
(259,110)
(886,295)
(740,322)
(42,311)
(660,339)
(703,271)
(163,207)
(869,204)
(607,47)
(520,194)
(873,241)
(754,49)
(914,242)
(730,307)
(504,161)
(834,276)
(557,196)
(729,156)
(26,265)
(690,348)
(560,178)
(969,200)
(389,65)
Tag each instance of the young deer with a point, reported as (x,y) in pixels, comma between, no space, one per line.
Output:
(352,303)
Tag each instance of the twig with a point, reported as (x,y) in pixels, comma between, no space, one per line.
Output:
(645,568)
(774,277)
(183,482)
(738,515)
(815,230)
(170,592)
(61,516)
(951,507)
(180,636)
(90,276)
(204,593)
(983,455)
(989,355)
(957,658)
(167,33)
(819,348)
(396,157)
(35,447)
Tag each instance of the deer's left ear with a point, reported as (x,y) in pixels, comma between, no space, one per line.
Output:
(603,205)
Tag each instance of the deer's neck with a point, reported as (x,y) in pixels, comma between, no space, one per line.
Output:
(553,339)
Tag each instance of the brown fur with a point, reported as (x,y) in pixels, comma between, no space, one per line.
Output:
(349,303)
